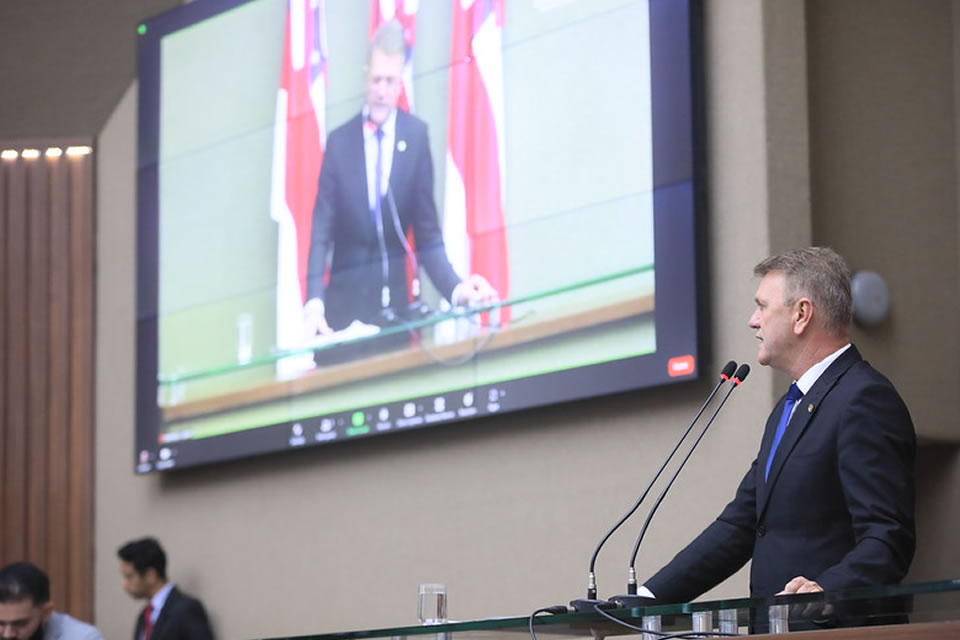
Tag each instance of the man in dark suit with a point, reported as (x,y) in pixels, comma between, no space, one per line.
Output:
(375,185)
(169,614)
(828,503)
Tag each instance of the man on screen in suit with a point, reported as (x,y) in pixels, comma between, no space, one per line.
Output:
(169,614)
(829,504)
(363,225)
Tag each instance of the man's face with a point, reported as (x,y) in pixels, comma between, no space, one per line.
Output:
(134,583)
(23,620)
(773,322)
(384,82)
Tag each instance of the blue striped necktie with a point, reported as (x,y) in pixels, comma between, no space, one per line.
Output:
(793,395)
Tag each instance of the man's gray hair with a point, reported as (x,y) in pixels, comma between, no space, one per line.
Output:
(388,38)
(818,273)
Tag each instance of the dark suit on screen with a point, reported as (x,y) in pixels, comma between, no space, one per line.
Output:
(181,618)
(344,227)
(838,506)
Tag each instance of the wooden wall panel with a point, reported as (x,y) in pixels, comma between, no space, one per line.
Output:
(38,286)
(81,381)
(3,347)
(15,418)
(59,405)
(46,367)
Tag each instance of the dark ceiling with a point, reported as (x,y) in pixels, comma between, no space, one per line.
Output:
(64,64)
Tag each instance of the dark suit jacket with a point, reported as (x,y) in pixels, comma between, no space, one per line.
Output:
(838,507)
(181,618)
(344,225)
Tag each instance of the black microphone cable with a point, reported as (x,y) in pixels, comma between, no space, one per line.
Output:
(416,290)
(663,635)
(555,610)
(387,313)
(397,227)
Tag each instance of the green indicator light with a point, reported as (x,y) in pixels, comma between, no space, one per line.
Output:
(358,431)
(358,419)
(141,29)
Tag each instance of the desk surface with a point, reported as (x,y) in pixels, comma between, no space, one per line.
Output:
(511,336)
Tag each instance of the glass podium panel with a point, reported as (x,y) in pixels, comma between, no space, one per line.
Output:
(606,293)
(929,610)
(605,319)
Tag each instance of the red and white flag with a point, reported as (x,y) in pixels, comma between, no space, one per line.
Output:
(404,12)
(473,224)
(298,144)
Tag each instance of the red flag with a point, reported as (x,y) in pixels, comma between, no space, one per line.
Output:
(298,145)
(474,228)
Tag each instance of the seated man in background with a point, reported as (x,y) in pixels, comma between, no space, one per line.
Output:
(26,612)
(169,614)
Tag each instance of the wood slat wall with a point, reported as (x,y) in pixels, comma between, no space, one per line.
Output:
(47,368)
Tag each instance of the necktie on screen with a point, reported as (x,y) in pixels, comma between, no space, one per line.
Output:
(378,178)
(793,395)
(147,622)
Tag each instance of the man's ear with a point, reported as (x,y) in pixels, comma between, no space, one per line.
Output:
(802,315)
(47,610)
(151,576)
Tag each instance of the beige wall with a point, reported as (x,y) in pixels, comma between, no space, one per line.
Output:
(884,183)
(883,129)
(64,65)
(506,510)
(938,518)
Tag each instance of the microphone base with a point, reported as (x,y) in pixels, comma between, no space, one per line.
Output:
(388,317)
(632,601)
(587,605)
(418,310)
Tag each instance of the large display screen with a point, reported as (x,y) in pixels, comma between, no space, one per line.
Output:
(532,240)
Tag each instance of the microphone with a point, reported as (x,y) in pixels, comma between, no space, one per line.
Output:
(387,314)
(591,600)
(631,599)
(417,306)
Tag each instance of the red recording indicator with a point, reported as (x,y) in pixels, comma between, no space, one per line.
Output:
(680,366)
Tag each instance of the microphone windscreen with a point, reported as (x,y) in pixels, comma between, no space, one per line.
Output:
(728,370)
(742,373)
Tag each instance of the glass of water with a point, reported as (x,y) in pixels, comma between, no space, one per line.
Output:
(244,338)
(432,603)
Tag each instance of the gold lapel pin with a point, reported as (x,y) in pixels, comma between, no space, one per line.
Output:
(810,408)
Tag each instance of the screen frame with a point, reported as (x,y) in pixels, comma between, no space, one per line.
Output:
(679,188)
